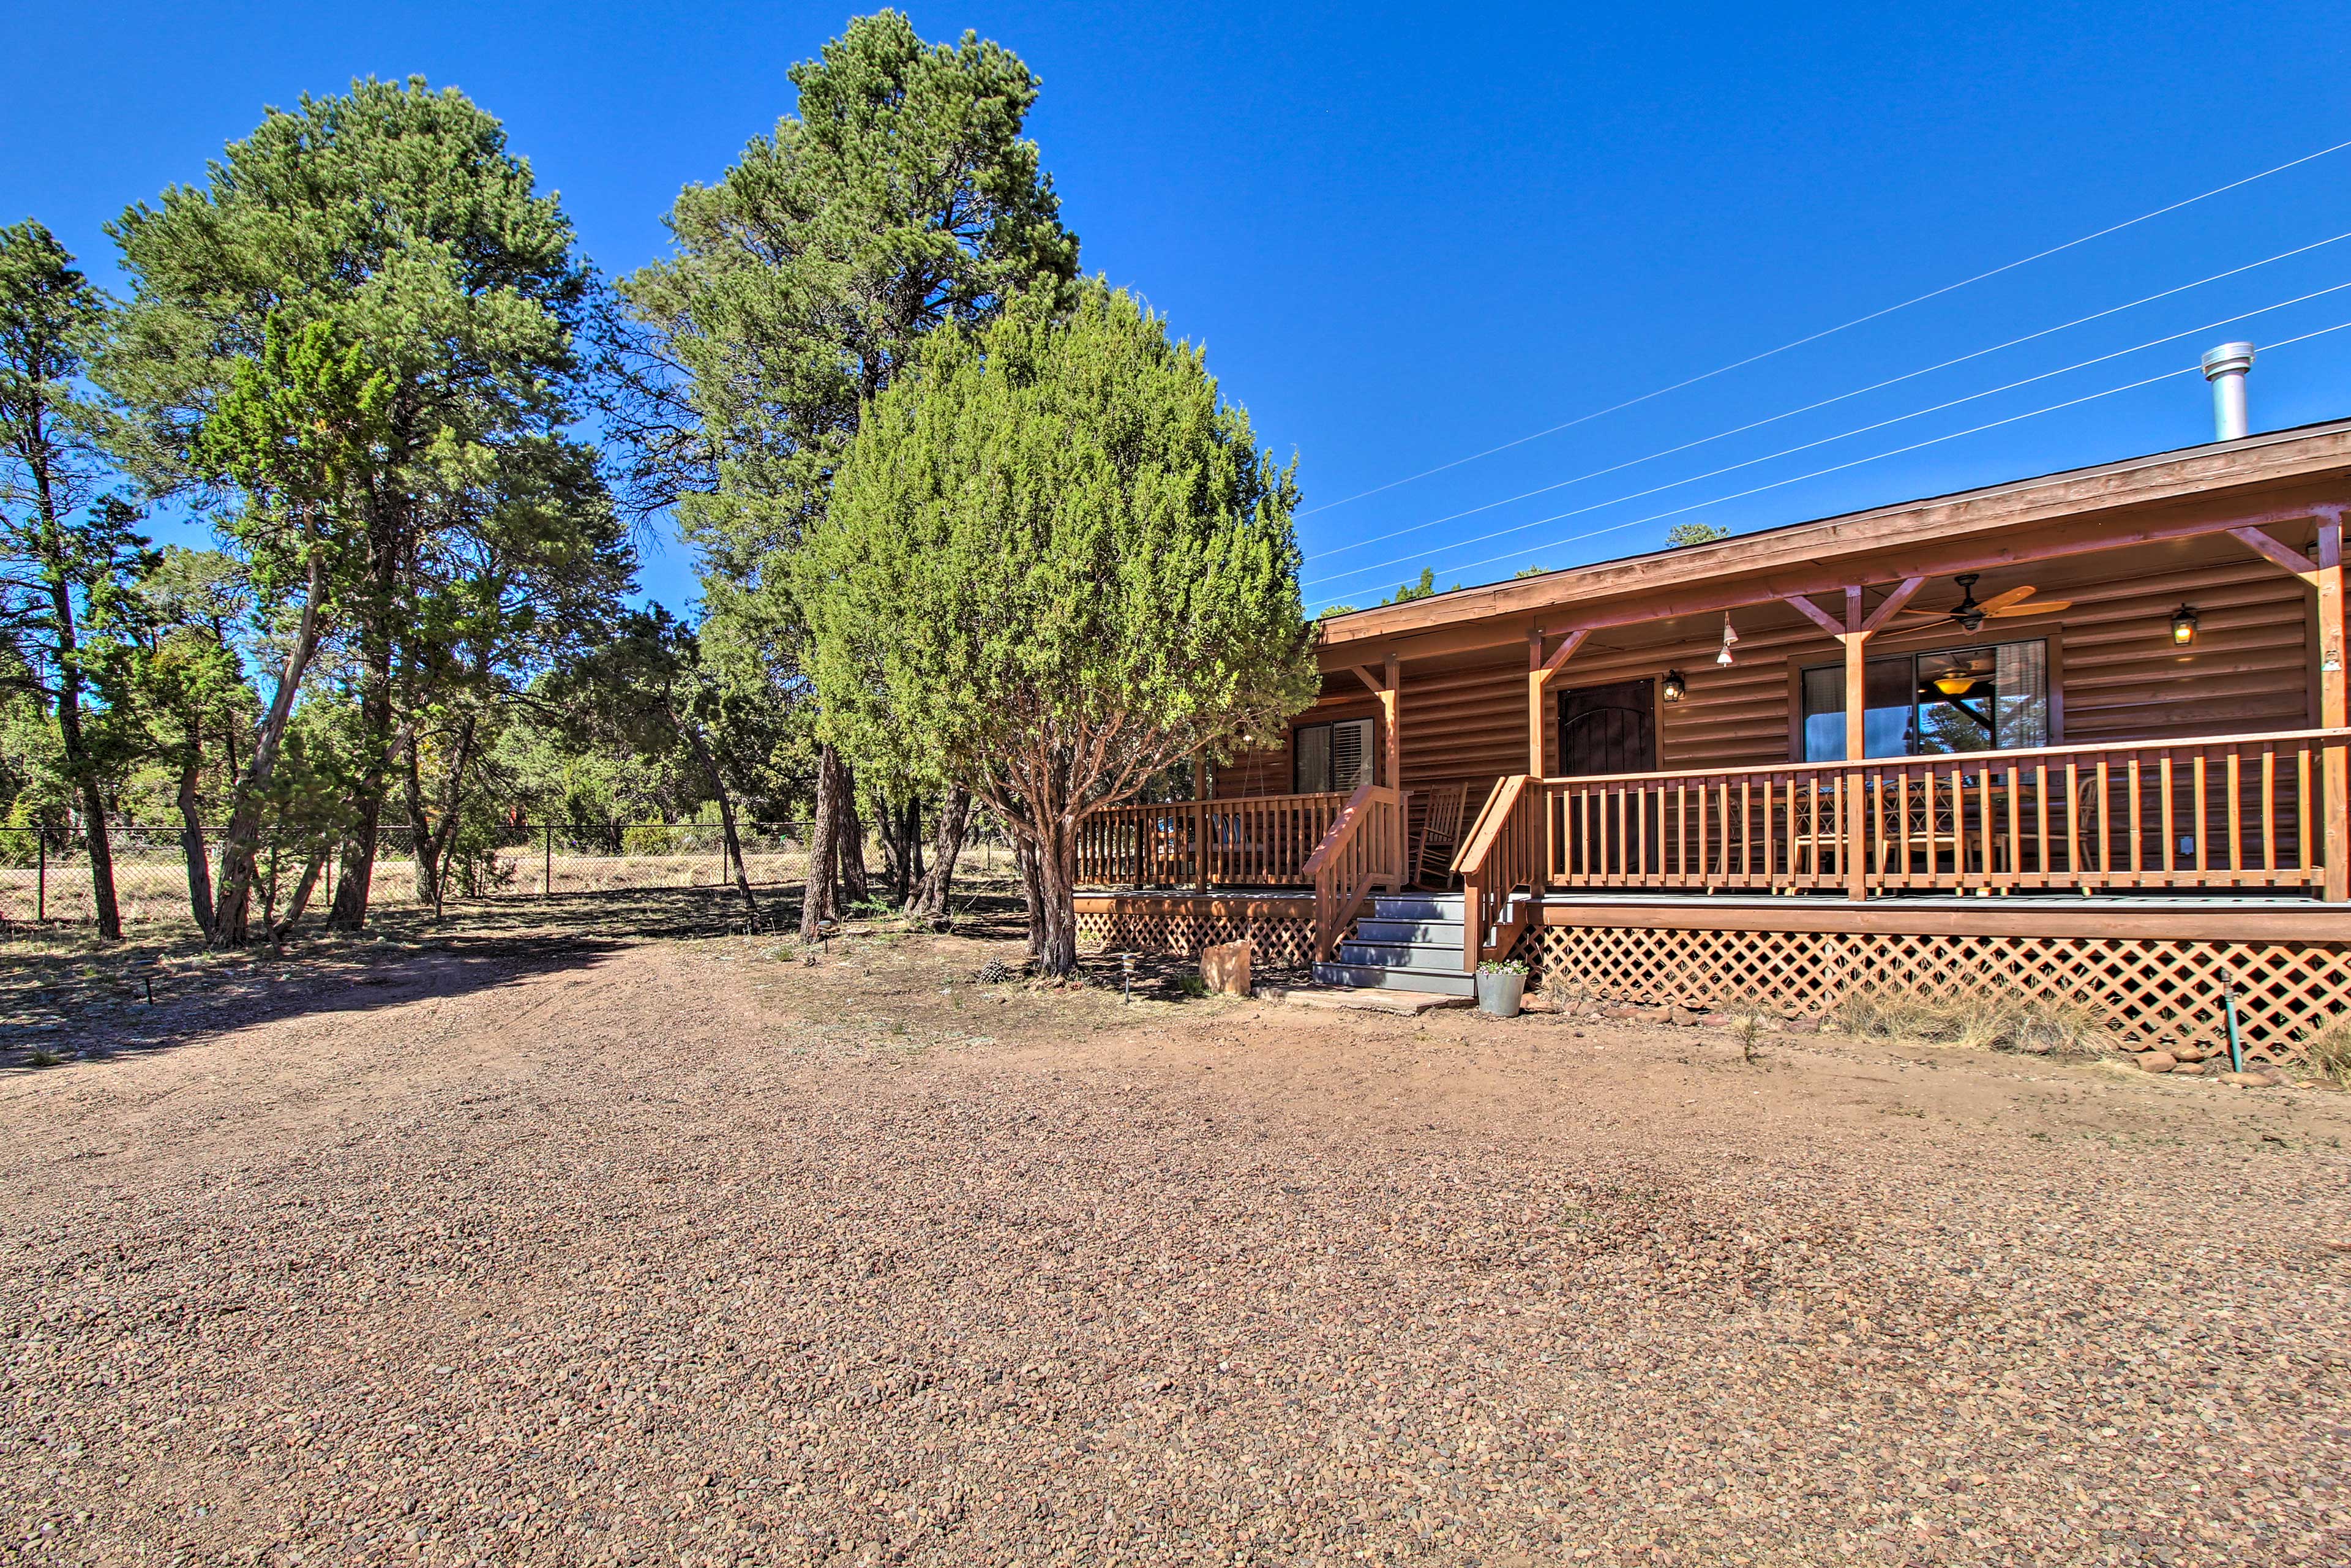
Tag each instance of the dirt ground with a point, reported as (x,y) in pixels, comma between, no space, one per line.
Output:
(523,1240)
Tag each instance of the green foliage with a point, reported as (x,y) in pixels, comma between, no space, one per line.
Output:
(357,336)
(1055,563)
(1425,588)
(68,552)
(1681,536)
(901,195)
(1529,571)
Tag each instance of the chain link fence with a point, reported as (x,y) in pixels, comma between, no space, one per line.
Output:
(46,876)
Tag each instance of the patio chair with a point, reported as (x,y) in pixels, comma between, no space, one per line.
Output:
(1440,834)
(1814,825)
(1923,820)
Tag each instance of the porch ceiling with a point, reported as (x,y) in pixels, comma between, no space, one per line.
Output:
(2050,531)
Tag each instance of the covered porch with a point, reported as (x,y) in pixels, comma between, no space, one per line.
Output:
(2100,698)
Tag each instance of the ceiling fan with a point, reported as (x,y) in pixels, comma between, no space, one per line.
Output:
(1971,615)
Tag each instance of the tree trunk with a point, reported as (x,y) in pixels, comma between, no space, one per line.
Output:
(420,829)
(1024,854)
(302,890)
(820,899)
(856,886)
(1057,877)
(930,899)
(348,912)
(78,766)
(233,896)
(701,750)
(192,837)
(380,745)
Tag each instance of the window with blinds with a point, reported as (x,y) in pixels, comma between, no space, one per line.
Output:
(1331,756)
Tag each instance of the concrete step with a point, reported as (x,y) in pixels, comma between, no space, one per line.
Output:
(1448,982)
(1422,932)
(1350,999)
(1401,955)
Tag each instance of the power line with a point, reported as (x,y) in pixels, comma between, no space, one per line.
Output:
(1823,403)
(1825,440)
(1832,332)
(1895,451)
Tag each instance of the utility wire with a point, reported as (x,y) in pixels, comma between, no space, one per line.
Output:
(1823,403)
(1895,451)
(1832,332)
(1825,440)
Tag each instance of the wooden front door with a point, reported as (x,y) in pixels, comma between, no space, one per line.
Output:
(1608,729)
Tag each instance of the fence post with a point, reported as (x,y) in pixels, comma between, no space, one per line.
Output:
(546,865)
(41,877)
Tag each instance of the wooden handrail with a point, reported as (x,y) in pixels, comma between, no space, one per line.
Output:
(2216,812)
(1349,821)
(1502,855)
(1480,840)
(1955,758)
(1359,850)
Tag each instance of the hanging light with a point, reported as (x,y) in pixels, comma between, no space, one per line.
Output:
(1730,636)
(1954,685)
(2183,626)
(1674,687)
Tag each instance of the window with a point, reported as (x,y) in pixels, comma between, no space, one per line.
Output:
(1985,698)
(1331,756)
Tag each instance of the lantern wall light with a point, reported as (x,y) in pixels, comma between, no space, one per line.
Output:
(2183,626)
(1674,687)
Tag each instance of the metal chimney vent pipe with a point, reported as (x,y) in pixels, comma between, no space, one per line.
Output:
(2225,368)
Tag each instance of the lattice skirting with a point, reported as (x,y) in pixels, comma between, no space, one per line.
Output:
(1276,940)
(2144,991)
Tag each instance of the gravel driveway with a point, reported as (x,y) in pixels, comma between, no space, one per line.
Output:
(686,1251)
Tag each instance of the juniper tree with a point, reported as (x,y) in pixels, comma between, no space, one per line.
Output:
(1055,564)
(66,544)
(399,213)
(298,430)
(901,195)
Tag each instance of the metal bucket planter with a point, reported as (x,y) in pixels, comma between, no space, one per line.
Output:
(1502,991)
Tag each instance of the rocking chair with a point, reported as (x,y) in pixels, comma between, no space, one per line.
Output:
(1440,835)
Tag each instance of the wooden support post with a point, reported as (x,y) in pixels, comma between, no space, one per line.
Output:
(1539,671)
(1392,749)
(2337,789)
(1535,676)
(1200,825)
(1856,680)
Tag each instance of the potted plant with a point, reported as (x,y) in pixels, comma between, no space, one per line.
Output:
(1501,987)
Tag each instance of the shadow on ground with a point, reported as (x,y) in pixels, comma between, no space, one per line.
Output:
(66,995)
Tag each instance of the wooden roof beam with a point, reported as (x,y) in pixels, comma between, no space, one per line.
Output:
(2293,560)
(1732,592)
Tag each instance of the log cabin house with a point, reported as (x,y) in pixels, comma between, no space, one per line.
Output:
(2079,737)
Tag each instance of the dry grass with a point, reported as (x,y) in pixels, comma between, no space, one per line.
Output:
(2327,1053)
(2031,1025)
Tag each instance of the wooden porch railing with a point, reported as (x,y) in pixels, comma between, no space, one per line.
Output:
(2219,813)
(1359,850)
(1255,841)
(1502,854)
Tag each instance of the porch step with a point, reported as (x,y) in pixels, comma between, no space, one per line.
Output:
(1404,942)
(1411,932)
(1426,906)
(1438,954)
(1398,978)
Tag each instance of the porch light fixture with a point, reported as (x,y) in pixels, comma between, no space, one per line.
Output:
(1728,637)
(2183,626)
(1674,687)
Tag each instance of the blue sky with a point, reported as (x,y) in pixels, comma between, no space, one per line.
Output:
(1409,233)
